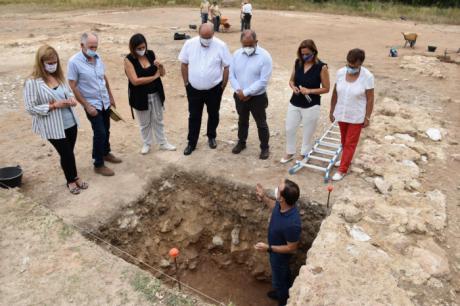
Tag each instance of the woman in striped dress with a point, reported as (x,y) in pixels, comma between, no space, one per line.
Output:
(48,98)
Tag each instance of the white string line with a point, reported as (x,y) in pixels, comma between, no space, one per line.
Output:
(142,262)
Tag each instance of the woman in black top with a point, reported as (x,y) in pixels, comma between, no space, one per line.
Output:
(309,79)
(146,93)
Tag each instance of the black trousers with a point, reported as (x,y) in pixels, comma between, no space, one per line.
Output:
(196,101)
(101,136)
(247,21)
(64,147)
(255,106)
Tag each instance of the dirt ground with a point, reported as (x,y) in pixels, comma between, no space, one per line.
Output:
(24,29)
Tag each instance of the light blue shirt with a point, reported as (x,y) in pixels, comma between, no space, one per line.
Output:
(251,73)
(90,79)
(67,116)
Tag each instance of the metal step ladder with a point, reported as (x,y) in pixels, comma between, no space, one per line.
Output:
(326,150)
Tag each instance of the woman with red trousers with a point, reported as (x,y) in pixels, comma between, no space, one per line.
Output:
(351,105)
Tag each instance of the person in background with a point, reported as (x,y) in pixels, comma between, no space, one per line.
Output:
(204,10)
(352,103)
(247,15)
(283,236)
(309,80)
(250,72)
(205,62)
(87,78)
(48,98)
(215,15)
(241,17)
(146,93)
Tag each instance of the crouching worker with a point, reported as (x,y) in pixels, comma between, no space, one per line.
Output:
(283,236)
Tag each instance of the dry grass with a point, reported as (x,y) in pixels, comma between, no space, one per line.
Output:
(345,7)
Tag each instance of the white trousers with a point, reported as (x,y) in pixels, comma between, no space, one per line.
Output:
(309,118)
(152,120)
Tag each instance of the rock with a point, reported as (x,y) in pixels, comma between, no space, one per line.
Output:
(434,134)
(431,258)
(351,214)
(383,186)
(414,185)
(164,263)
(217,241)
(166,185)
(236,235)
(414,170)
(416,225)
(405,137)
(357,233)
(166,227)
(435,283)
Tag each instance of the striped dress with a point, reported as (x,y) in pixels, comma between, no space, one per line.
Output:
(37,98)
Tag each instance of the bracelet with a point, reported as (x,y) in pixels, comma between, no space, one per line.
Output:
(269,250)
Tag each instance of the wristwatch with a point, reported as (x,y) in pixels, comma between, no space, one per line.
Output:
(269,250)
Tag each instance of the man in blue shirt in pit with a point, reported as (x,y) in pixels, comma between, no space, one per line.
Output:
(283,236)
(250,71)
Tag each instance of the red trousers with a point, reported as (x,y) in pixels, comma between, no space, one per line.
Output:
(349,133)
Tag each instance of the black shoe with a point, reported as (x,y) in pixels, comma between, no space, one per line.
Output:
(188,150)
(273,295)
(264,154)
(240,146)
(212,143)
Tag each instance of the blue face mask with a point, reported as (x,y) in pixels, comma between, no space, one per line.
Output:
(352,70)
(307,58)
(91,53)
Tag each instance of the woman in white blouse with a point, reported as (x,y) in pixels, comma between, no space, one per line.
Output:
(351,105)
(48,98)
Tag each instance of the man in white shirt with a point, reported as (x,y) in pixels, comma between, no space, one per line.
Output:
(250,72)
(247,15)
(205,62)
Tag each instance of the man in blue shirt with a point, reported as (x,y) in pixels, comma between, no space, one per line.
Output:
(250,71)
(86,75)
(283,235)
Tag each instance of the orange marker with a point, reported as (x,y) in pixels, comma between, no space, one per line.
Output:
(329,188)
(174,252)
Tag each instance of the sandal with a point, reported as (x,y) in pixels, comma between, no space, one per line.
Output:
(82,185)
(74,190)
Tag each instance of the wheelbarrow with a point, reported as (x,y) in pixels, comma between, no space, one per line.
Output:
(225,24)
(410,38)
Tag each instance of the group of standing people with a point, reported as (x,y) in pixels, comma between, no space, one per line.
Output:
(211,12)
(206,67)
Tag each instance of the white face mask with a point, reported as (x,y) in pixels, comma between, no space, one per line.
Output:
(205,42)
(140,52)
(249,50)
(277,197)
(50,68)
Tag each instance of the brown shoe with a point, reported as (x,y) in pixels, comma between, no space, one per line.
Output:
(105,171)
(112,159)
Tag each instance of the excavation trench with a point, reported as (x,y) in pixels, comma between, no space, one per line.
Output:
(215,224)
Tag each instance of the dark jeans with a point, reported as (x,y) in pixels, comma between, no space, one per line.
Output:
(204,18)
(281,276)
(196,101)
(247,21)
(255,106)
(216,22)
(64,147)
(101,135)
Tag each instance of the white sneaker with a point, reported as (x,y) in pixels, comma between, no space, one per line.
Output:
(337,163)
(145,149)
(338,176)
(167,147)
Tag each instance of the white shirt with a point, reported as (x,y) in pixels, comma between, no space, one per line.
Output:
(251,73)
(247,8)
(351,97)
(205,65)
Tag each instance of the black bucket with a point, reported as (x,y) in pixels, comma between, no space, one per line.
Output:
(431,48)
(10,177)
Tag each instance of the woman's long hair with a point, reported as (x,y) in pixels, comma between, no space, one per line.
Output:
(46,53)
(309,44)
(135,41)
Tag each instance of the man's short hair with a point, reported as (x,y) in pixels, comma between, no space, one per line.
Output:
(291,192)
(84,37)
(248,32)
(356,56)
